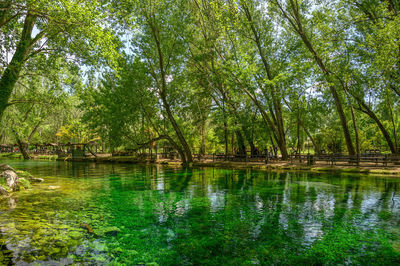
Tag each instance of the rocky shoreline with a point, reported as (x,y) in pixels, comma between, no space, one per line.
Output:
(12,180)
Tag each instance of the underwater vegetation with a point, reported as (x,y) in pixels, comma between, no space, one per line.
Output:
(132,214)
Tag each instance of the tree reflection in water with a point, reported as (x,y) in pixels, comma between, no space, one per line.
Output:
(206,216)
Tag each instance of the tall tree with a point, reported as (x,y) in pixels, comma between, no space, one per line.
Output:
(56,28)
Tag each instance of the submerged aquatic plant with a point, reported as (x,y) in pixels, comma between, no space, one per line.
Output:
(119,214)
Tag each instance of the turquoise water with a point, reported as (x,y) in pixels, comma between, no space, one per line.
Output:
(105,214)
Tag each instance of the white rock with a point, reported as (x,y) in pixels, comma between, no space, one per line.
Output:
(11,178)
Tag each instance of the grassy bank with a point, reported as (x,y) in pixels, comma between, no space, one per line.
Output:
(275,166)
(285,166)
(11,156)
(19,156)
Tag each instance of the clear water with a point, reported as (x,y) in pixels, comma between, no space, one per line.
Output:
(172,216)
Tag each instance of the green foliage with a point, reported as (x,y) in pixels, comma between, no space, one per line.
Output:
(23,183)
(216,75)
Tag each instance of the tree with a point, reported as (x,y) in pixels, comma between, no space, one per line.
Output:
(57,28)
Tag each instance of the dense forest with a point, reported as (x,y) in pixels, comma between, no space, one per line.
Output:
(202,76)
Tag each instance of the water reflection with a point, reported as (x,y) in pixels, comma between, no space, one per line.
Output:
(192,216)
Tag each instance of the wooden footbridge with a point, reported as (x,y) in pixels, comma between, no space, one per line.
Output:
(75,150)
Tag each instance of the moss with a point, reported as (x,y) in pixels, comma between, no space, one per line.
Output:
(24,183)
(75,235)
(138,222)
(23,174)
(110,231)
(3,182)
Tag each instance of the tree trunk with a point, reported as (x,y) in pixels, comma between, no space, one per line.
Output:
(269,123)
(298,134)
(203,140)
(336,97)
(170,140)
(381,127)
(240,142)
(316,146)
(393,124)
(280,132)
(353,117)
(186,155)
(23,147)
(11,73)
(294,20)
(163,91)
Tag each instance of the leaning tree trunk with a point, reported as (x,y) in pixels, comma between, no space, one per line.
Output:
(298,134)
(163,91)
(279,131)
(181,138)
(300,121)
(381,127)
(202,150)
(295,20)
(367,110)
(23,147)
(11,73)
(170,140)
(353,117)
(269,124)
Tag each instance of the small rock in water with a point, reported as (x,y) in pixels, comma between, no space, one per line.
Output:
(36,179)
(28,176)
(54,187)
(11,179)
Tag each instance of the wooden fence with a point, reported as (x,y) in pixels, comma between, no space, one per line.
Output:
(330,159)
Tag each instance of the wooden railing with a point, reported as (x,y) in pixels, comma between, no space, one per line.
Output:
(356,160)
(331,159)
(373,158)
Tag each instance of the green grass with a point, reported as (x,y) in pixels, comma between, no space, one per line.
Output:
(11,155)
(47,157)
(384,172)
(18,155)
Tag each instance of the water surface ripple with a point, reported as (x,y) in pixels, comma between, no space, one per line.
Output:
(120,214)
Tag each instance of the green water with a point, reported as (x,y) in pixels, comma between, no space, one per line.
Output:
(157,215)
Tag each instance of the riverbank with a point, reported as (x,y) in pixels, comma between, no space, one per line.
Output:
(13,155)
(287,166)
(12,180)
(370,169)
